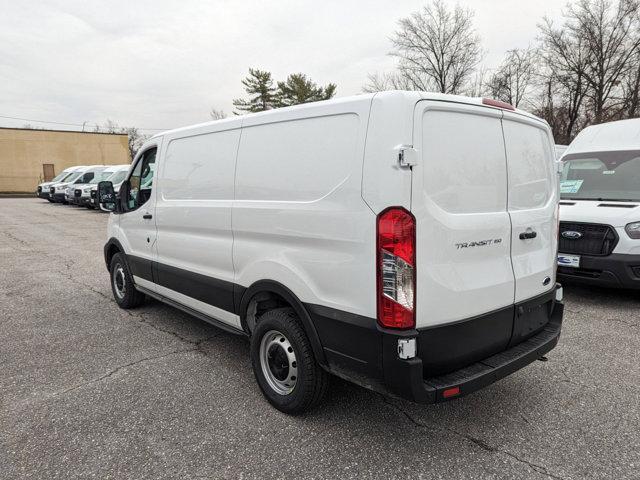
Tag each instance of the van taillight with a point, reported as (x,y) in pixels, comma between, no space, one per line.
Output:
(396,272)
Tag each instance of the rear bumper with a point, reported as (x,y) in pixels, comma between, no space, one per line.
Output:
(465,356)
(408,382)
(615,270)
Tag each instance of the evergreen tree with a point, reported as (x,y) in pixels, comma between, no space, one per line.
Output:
(299,89)
(259,86)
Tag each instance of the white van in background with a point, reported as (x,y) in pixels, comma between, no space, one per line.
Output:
(42,190)
(405,241)
(81,193)
(74,190)
(58,191)
(600,206)
(116,180)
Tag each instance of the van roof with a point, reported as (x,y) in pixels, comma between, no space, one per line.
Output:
(392,96)
(116,168)
(620,135)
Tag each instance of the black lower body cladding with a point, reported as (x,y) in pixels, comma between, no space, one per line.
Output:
(466,355)
(616,270)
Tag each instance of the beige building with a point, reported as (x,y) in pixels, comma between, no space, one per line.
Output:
(29,157)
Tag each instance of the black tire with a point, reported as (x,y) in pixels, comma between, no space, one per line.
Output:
(124,292)
(50,201)
(311,381)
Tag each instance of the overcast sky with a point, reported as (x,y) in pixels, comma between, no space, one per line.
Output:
(163,64)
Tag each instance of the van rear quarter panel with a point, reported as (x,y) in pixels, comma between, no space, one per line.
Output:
(298,214)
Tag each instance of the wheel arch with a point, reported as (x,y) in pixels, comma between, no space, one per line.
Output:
(112,247)
(272,291)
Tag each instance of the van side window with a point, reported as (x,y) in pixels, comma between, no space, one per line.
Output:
(141,180)
(86,178)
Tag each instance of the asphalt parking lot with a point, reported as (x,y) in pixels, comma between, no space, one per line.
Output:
(89,390)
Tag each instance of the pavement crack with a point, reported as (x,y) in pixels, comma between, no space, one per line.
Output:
(624,322)
(470,438)
(119,368)
(197,343)
(11,236)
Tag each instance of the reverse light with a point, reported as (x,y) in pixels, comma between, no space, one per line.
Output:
(396,268)
(633,230)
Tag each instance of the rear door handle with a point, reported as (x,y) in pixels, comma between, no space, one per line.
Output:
(147,216)
(528,235)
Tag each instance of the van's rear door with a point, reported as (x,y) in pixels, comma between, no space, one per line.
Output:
(463,229)
(533,191)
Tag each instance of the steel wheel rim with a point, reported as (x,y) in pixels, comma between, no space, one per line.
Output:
(278,362)
(119,282)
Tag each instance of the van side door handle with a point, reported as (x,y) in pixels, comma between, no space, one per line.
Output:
(147,216)
(528,235)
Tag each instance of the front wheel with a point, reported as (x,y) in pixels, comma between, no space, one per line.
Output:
(124,291)
(284,365)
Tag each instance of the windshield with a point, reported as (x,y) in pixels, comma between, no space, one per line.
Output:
(72,177)
(601,176)
(100,176)
(61,176)
(118,177)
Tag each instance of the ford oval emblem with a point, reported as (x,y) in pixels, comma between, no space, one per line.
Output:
(571,235)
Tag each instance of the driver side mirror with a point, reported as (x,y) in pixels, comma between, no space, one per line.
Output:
(106,196)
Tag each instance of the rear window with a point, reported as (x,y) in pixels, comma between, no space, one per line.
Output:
(531,170)
(601,176)
(465,166)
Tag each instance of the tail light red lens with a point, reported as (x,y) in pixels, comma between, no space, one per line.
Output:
(396,268)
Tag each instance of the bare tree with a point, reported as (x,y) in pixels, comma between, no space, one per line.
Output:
(631,90)
(437,48)
(217,114)
(136,139)
(477,86)
(610,35)
(565,57)
(110,127)
(514,78)
(380,82)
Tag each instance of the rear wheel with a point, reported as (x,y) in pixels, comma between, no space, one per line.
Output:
(124,291)
(284,365)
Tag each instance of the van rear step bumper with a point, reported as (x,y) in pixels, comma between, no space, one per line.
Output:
(405,379)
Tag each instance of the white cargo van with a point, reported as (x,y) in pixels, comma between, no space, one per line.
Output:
(82,192)
(600,206)
(58,191)
(42,190)
(74,190)
(405,241)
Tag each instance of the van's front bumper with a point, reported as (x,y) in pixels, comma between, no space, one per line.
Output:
(616,270)
(58,197)
(451,360)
